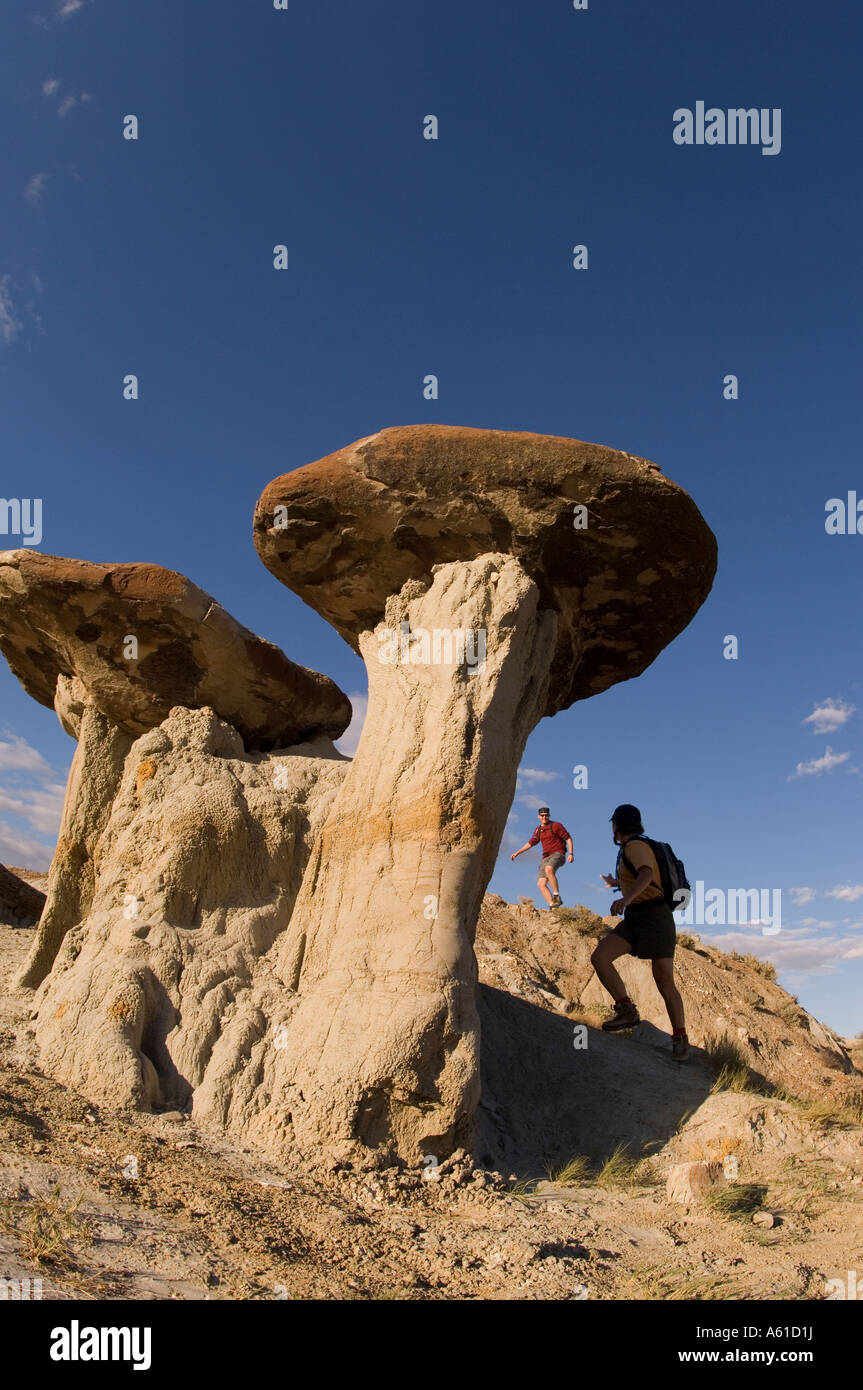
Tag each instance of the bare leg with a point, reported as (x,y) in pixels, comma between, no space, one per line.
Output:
(552,878)
(663,974)
(607,951)
(542,885)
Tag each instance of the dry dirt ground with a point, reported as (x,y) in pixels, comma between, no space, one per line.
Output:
(102,1205)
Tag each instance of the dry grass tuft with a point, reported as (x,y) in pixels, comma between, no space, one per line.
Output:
(736,1200)
(731,1068)
(48,1229)
(575,1173)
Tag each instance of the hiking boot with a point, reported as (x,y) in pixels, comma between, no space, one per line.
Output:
(680,1048)
(555,900)
(626,1015)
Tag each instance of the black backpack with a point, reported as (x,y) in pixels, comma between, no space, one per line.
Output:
(675,885)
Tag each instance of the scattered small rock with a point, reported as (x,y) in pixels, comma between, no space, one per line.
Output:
(688,1182)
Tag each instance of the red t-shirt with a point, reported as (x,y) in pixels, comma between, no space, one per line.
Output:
(554,837)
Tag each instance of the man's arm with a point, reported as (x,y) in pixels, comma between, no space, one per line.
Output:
(530,844)
(569,847)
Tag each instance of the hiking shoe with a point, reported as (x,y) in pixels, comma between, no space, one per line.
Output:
(680,1048)
(555,900)
(625,1016)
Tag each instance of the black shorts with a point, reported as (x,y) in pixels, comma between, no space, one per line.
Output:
(650,929)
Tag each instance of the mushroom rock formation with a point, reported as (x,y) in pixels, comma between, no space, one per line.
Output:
(379,1029)
(407,536)
(115,648)
(355,525)
(20,904)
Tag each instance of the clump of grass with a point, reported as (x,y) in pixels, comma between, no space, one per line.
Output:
(791,1012)
(738,1200)
(845,1112)
(714,1288)
(575,1173)
(48,1229)
(620,1169)
(761,967)
(805,1198)
(687,940)
(525,1187)
(731,1069)
(624,1169)
(655,1284)
(584,921)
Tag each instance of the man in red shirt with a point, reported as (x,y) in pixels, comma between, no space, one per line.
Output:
(554,838)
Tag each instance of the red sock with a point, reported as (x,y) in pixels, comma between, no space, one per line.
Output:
(625,1000)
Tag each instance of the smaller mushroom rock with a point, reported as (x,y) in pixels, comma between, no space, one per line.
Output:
(142,639)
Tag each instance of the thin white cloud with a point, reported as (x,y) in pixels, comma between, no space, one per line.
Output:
(10,324)
(829,716)
(40,807)
(16,755)
(816,766)
(525,792)
(802,896)
(792,950)
(532,799)
(849,893)
(66,105)
(511,840)
(32,793)
(17,847)
(349,740)
(19,308)
(63,10)
(50,86)
(35,188)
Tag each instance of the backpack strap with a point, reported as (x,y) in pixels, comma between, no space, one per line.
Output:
(621,857)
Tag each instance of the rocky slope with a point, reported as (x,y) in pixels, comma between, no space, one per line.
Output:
(550,1089)
(169,1208)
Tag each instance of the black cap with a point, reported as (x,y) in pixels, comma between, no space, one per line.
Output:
(543,808)
(628,819)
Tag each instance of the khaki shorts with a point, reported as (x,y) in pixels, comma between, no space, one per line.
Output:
(553,860)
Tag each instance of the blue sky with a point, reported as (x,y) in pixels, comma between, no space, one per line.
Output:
(454,257)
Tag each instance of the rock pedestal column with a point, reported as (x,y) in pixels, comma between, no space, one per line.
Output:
(380,1051)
